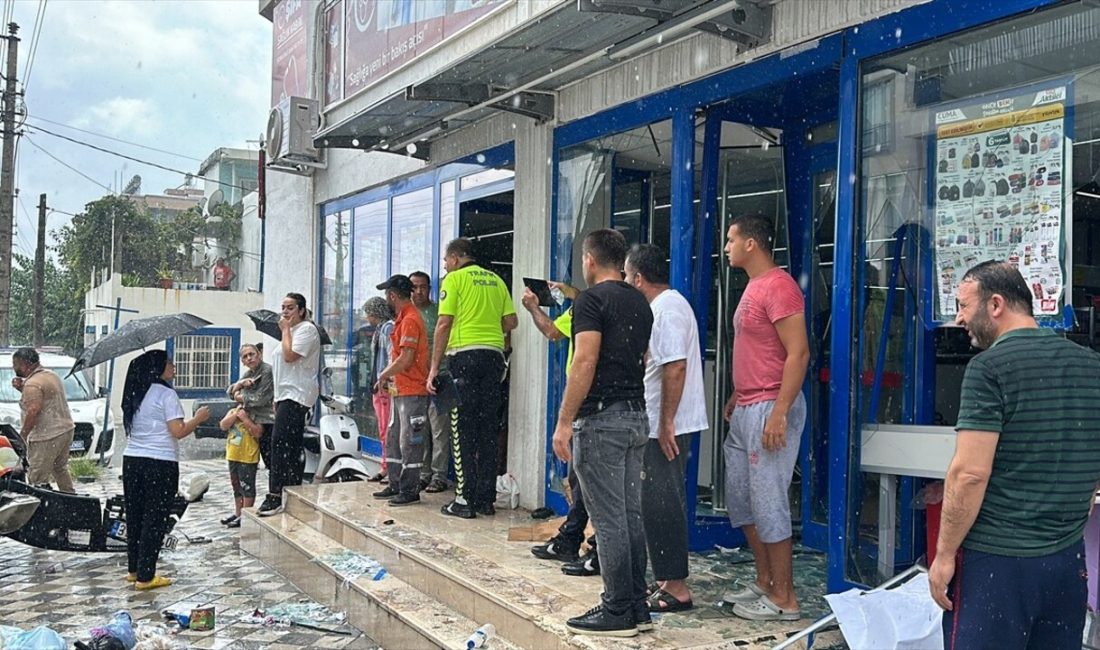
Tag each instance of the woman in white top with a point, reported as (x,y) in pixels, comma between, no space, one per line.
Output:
(295,365)
(153,418)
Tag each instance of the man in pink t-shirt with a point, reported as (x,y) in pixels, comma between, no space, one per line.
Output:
(766,412)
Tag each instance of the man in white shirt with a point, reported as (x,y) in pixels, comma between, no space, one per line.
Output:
(295,366)
(676,409)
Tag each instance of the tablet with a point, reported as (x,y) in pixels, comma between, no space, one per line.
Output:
(541,289)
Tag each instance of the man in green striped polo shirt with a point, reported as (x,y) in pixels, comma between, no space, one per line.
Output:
(1010,568)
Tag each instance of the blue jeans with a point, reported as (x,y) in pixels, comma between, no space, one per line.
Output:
(608,448)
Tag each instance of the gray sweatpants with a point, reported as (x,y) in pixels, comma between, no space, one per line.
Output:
(757,480)
(405,443)
(438,445)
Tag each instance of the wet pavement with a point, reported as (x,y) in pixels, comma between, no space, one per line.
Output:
(73,592)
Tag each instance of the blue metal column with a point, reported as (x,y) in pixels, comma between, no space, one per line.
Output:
(707,223)
(681,220)
(841,387)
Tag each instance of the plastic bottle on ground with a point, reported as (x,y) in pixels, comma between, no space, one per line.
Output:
(480,636)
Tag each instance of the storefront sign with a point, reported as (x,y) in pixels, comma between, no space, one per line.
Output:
(289,67)
(998,184)
(381,36)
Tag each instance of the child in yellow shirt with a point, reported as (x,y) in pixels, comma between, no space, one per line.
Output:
(242,451)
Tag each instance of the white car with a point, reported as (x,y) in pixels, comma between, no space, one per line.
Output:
(87,409)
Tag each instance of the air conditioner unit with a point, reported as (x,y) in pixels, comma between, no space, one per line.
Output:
(290,129)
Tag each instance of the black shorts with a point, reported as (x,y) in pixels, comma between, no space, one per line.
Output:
(242,476)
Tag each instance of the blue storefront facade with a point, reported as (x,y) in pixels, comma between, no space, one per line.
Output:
(881,149)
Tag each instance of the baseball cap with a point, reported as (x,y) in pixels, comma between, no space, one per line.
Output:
(400,283)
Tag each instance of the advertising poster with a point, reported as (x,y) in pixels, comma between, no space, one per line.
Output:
(334,53)
(289,69)
(999,171)
(384,35)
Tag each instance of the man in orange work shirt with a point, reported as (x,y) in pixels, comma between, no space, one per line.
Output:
(406,378)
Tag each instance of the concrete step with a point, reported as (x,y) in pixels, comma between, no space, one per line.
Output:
(469,567)
(388,610)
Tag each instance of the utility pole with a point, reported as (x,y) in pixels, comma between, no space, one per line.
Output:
(7,183)
(40,271)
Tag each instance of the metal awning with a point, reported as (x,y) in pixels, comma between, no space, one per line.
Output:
(518,72)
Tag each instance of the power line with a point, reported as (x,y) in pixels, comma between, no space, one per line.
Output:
(65,164)
(143,162)
(39,20)
(108,137)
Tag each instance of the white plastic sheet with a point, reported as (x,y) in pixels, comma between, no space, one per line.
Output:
(904,617)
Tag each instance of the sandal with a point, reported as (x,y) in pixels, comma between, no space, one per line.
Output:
(131,577)
(662,602)
(764,609)
(653,588)
(749,594)
(156,582)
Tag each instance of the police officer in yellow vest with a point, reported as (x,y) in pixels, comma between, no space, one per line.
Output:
(475,313)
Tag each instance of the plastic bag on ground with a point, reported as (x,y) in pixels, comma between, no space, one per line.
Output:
(194,486)
(904,617)
(40,638)
(507,491)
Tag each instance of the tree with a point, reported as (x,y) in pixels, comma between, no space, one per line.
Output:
(62,303)
(85,244)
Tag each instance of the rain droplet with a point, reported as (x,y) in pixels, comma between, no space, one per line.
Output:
(897,33)
(411,148)
(660,38)
(480,158)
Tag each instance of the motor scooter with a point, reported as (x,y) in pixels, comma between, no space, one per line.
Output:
(331,448)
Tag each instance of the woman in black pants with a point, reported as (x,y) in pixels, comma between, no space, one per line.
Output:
(153,418)
(295,365)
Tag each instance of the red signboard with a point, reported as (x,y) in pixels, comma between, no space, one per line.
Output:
(384,35)
(289,67)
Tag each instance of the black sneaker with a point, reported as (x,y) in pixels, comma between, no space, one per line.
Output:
(488,510)
(554,550)
(386,493)
(405,499)
(598,621)
(460,510)
(272,505)
(642,617)
(230,519)
(586,565)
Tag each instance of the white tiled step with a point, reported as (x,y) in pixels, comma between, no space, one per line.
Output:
(389,611)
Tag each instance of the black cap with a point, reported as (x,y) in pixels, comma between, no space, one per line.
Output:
(400,283)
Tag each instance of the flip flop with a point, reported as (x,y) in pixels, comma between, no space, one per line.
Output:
(765,610)
(662,602)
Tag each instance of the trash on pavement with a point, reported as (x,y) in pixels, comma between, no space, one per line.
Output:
(40,638)
(118,634)
(191,616)
(902,617)
(304,614)
(480,636)
(352,565)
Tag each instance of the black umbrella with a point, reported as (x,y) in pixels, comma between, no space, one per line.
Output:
(267,322)
(135,335)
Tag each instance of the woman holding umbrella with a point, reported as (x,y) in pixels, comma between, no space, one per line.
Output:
(295,365)
(153,418)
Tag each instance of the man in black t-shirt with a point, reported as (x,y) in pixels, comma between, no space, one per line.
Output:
(604,407)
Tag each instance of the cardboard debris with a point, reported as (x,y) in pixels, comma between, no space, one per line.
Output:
(535,532)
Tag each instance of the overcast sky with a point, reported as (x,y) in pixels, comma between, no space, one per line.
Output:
(183,76)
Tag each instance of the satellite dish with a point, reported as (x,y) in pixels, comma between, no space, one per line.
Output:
(274,143)
(216,199)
